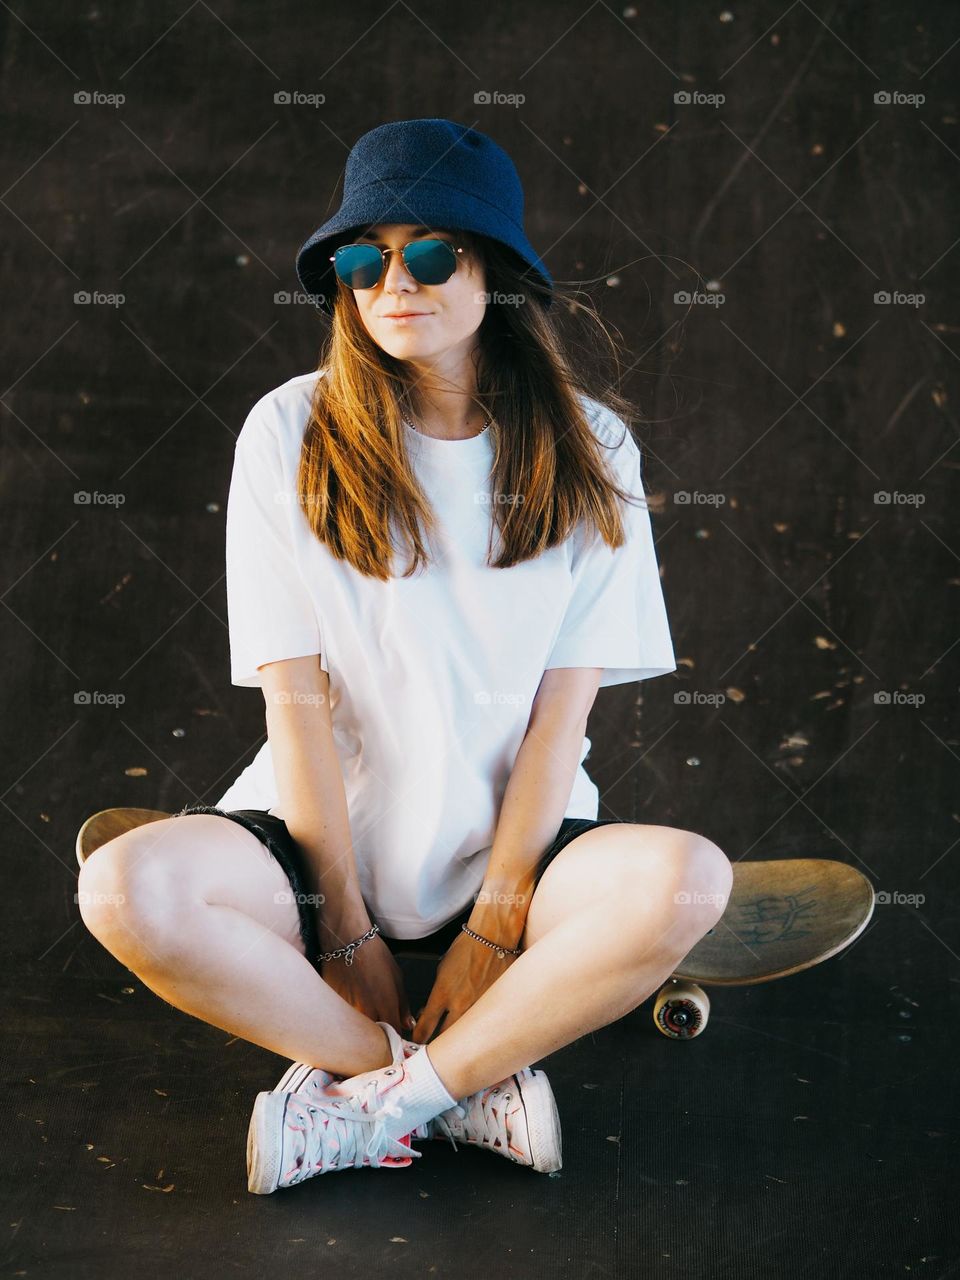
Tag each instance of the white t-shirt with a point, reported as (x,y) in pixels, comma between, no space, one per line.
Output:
(432,677)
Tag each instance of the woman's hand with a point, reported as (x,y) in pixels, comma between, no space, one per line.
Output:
(373,983)
(464,973)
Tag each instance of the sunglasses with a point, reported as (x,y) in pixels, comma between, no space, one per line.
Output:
(429,261)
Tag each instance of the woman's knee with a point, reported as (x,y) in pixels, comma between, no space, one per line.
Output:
(129,892)
(141,891)
(707,881)
(683,869)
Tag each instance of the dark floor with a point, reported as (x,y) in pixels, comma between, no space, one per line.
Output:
(803,1134)
(812,1130)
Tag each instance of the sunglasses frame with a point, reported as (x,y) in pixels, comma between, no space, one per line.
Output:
(383,258)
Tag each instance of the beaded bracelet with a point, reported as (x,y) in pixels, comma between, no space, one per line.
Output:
(502,952)
(350,948)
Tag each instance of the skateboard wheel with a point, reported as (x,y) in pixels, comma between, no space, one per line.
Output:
(682,1010)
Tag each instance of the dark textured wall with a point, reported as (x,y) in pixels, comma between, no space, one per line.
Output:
(781,405)
(814,711)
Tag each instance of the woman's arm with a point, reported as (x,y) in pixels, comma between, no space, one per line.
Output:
(534,800)
(310,786)
(531,812)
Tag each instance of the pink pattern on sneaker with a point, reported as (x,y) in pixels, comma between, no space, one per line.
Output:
(319,1085)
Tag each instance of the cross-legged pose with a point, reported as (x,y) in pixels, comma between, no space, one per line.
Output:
(438,549)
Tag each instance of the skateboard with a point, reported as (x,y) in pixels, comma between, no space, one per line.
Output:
(782,916)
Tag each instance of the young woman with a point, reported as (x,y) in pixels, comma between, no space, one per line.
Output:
(422,777)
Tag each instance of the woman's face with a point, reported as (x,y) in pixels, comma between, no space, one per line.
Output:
(448,314)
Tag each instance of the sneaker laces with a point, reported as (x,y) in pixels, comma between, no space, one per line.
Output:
(479,1113)
(359,1133)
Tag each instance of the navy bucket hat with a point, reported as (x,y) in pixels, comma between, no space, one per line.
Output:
(431,172)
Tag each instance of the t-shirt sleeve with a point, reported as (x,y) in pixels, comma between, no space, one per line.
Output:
(616,617)
(271,615)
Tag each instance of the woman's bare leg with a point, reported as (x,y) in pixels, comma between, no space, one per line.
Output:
(238,962)
(604,930)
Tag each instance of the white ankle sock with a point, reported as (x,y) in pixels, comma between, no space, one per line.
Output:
(421,1095)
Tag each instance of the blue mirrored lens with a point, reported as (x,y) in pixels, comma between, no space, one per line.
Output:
(358,265)
(430,261)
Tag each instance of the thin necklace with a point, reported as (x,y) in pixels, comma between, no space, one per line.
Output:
(479,433)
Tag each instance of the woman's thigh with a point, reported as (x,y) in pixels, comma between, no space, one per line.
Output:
(626,863)
(145,881)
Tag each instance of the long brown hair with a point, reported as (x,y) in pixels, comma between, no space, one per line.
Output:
(355,482)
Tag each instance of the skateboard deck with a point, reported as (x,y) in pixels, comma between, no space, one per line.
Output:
(783,916)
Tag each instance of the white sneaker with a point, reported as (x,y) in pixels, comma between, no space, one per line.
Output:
(292,1138)
(300,1077)
(517,1117)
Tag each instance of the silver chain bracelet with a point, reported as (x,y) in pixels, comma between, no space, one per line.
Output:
(502,952)
(350,948)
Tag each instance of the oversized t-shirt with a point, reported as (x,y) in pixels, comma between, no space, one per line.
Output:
(432,677)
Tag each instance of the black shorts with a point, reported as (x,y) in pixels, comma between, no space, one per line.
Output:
(272,831)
